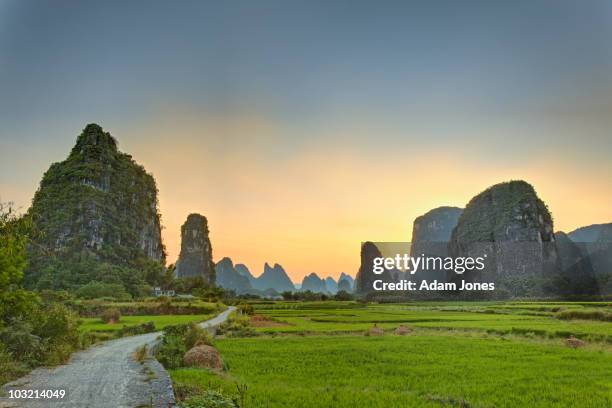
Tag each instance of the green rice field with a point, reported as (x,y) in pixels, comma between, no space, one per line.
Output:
(316,354)
(161,321)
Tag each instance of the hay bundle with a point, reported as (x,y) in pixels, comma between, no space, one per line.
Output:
(375,331)
(402,330)
(203,356)
(573,342)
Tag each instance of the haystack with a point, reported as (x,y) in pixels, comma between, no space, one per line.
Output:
(402,330)
(203,356)
(573,342)
(375,331)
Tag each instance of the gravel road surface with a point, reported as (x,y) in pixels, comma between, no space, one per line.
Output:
(105,375)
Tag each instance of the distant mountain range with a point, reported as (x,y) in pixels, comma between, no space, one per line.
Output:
(592,233)
(274,280)
(228,277)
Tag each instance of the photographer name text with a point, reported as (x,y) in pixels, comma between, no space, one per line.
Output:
(408,285)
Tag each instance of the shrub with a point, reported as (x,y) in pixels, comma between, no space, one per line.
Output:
(55,354)
(184,391)
(237,326)
(209,399)
(196,335)
(110,315)
(58,327)
(10,369)
(21,342)
(141,354)
(177,340)
(57,323)
(163,299)
(178,330)
(246,308)
(171,351)
(343,295)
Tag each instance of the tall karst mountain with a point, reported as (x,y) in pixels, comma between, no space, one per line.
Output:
(243,270)
(228,277)
(345,285)
(509,223)
(313,283)
(274,278)
(436,225)
(431,233)
(595,243)
(592,233)
(576,274)
(195,258)
(97,207)
(345,282)
(331,285)
(365,276)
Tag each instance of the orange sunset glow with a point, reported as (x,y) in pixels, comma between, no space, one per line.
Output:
(311,213)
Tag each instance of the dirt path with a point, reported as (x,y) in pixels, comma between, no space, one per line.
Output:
(103,376)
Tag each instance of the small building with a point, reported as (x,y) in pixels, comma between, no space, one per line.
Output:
(157,292)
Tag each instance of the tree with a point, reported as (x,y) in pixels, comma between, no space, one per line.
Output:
(343,295)
(15,302)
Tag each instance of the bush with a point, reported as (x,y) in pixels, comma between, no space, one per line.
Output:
(57,323)
(20,341)
(196,335)
(10,369)
(343,295)
(237,326)
(178,330)
(58,327)
(171,351)
(246,308)
(209,399)
(111,315)
(177,340)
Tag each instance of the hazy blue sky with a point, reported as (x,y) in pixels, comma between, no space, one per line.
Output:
(320,123)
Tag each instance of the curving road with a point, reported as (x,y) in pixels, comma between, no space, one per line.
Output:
(105,375)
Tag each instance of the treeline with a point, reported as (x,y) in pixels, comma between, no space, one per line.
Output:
(90,278)
(313,296)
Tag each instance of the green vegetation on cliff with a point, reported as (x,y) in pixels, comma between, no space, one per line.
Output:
(96,219)
(488,215)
